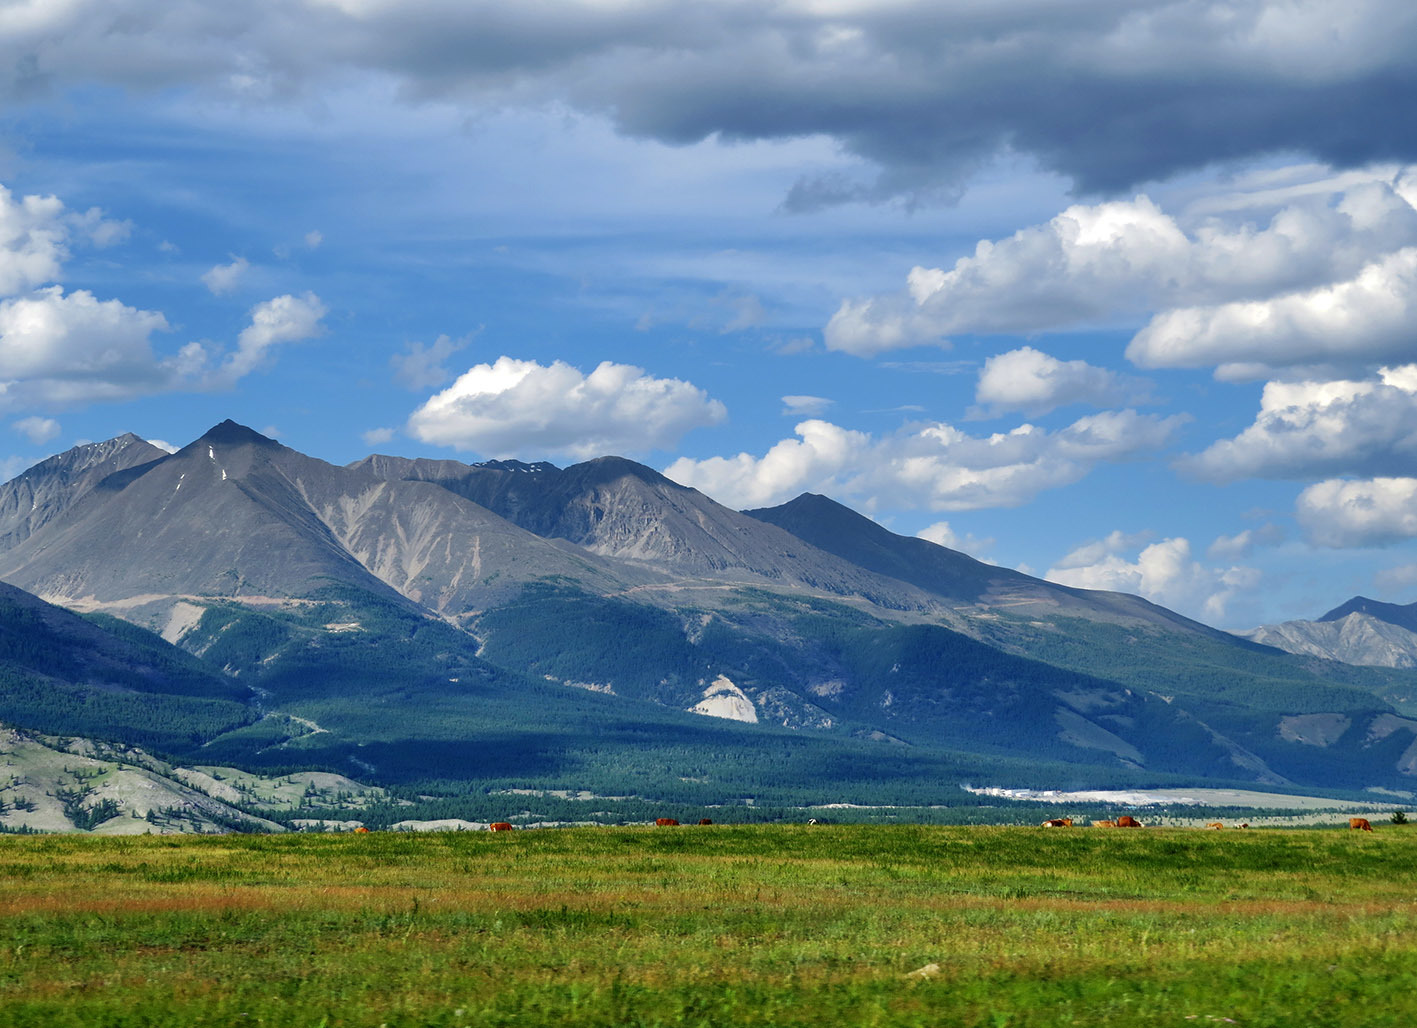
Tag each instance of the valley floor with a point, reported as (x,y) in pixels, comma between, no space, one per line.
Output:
(718,925)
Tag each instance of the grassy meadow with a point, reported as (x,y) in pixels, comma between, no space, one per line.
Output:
(713,926)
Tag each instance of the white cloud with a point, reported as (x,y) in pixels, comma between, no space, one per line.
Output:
(377,436)
(515,407)
(39,430)
(1097,550)
(61,350)
(285,319)
(935,466)
(1114,262)
(64,351)
(1345,514)
(313,239)
(33,234)
(1032,381)
(224,278)
(1309,429)
(1242,544)
(797,406)
(941,534)
(100,231)
(424,367)
(163,444)
(1163,572)
(792,346)
(1362,319)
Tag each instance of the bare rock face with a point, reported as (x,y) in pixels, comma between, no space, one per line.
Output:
(1354,638)
(948,573)
(626,512)
(237,515)
(33,499)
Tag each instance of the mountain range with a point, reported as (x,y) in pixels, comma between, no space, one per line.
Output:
(600,627)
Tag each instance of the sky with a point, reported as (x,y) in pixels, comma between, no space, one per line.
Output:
(1117,292)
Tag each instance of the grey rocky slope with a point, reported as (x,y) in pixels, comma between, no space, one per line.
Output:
(1362,632)
(1401,615)
(29,501)
(948,573)
(626,512)
(235,515)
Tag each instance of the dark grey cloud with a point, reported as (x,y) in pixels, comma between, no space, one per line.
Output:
(1110,93)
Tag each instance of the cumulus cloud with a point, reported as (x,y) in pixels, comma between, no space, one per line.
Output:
(515,407)
(224,278)
(1032,381)
(285,319)
(1117,262)
(1310,429)
(35,237)
(425,367)
(1164,572)
(33,234)
(1362,319)
(377,436)
(926,93)
(933,466)
(1342,513)
(39,430)
(941,534)
(64,350)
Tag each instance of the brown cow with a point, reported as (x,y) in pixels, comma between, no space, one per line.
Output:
(361,830)
(1215,824)
(1104,824)
(1245,826)
(1360,824)
(665,822)
(1127,821)
(705,821)
(500,826)
(1058,822)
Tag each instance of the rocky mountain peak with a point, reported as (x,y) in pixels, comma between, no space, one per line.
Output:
(1403,616)
(230,433)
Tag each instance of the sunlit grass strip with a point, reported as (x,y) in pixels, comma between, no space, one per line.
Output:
(727,925)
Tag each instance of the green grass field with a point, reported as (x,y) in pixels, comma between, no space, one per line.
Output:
(713,926)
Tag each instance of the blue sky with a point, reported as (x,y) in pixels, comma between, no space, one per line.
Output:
(1120,293)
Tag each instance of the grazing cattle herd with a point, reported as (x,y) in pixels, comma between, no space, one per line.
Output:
(1360,824)
(1127,821)
(1124,821)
